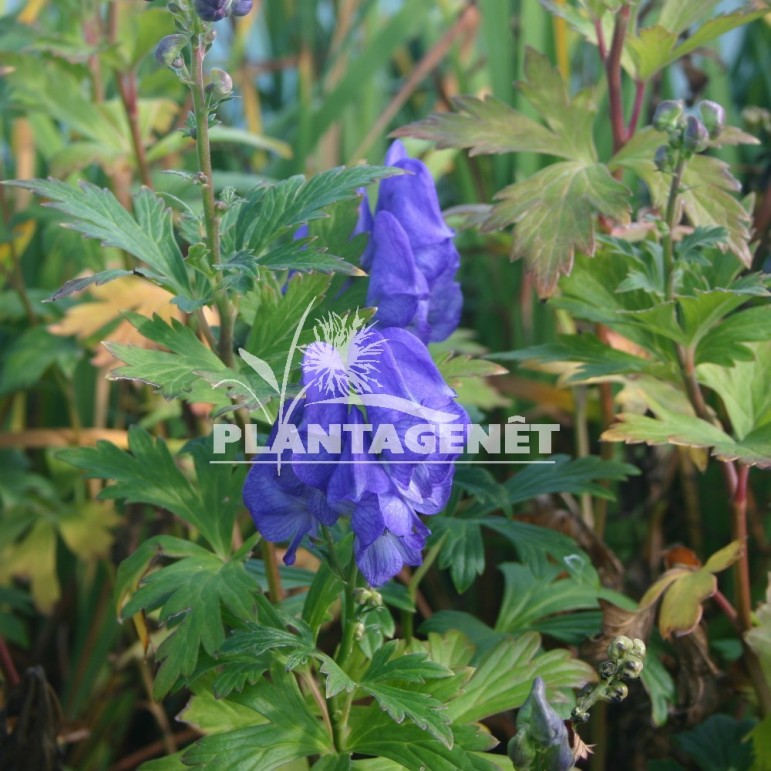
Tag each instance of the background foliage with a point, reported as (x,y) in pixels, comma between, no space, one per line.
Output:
(321,84)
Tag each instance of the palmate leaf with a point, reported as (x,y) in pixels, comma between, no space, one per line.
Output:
(97,213)
(504,675)
(553,210)
(147,473)
(374,733)
(292,732)
(272,211)
(707,189)
(190,593)
(554,216)
(384,678)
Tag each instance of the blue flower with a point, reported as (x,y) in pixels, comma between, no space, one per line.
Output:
(367,383)
(412,244)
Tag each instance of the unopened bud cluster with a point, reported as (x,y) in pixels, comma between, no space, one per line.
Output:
(216,10)
(688,134)
(626,658)
(369,597)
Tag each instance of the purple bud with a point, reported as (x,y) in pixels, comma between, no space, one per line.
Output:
(713,117)
(668,115)
(212,10)
(695,136)
(241,7)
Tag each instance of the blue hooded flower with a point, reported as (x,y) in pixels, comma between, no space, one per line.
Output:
(368,383)
(413,240)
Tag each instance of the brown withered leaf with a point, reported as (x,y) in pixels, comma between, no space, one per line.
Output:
(581,750)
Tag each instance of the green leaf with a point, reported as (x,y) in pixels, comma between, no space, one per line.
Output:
(14,605)
(97,213)
(554,216)
(707,189)
(75,285)
(724,343)
(190,594)
(28,356)
(759,637)
(744,389)
(188,369)
(660,687)
(147,473)
(462,550)
(486,127)
(374,733)
(293,732)
(678,15)
(212,715)
(595,358)
(505,674)
(490,126)
(718,743)
(528,598)
(382,680)
(272,211)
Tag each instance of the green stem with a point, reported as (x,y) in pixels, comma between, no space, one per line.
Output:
(414,584)
(211,220)
(669,260)
(340,716)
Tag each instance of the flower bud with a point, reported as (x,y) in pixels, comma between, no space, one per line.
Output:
(695,136)
(631,669)
(241,7)
(639,649)
(617,693)
(668,115)
(169,51)
(221,83)
(619,646)
(664,158)
(212,10)
(608,669)
(713,117)
(359,631)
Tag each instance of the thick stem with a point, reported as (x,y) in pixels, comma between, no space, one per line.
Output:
(613,74)
(341,711)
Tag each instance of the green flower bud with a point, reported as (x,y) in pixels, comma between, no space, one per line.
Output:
(631,669)
(619,647)
(617,693)
(638,649)
(221,83)
(713,117)
(668,115)
(608,669)
(359,631)
(695,136)
(169,51)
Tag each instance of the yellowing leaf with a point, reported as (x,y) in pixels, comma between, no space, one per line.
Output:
(110,301)
(34,559)
(86,529)
(681,608)
(554,216)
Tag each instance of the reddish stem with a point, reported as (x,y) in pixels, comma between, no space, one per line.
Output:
(739,526)
(7,666)
(639,98)
(603,49)
(613,73)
